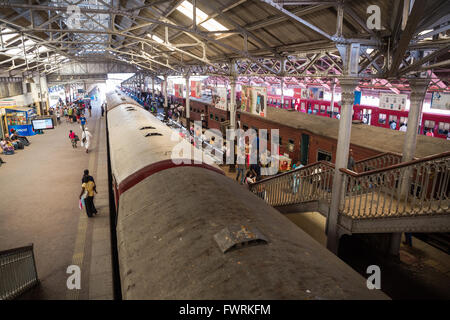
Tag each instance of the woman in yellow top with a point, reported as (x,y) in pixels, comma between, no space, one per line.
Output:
(88,186)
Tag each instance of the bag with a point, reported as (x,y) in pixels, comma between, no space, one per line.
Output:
(80,204)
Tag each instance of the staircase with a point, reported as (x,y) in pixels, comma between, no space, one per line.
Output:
(382,196)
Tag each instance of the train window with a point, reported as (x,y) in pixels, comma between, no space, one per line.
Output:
(323,156)
(382,118)
(429,124)
(444,128)
(222,119)
(328,108)
(322,108)
(392,118)
(316,107)
(404,120)
(211,116)
(216,118)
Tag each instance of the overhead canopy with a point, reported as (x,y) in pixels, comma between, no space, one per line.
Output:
(230,37)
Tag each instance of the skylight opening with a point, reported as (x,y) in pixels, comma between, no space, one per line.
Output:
(7,37)
(212,25)
(186,8)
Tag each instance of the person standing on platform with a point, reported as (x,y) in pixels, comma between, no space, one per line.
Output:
(103,110)
(82,121)
(72,138)
(403,127)
(88,188)
(86,139)
(86,174)
(90,110)
(351,161)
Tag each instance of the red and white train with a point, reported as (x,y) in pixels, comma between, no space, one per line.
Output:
(374,116)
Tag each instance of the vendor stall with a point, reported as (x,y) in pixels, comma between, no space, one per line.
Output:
(19,119)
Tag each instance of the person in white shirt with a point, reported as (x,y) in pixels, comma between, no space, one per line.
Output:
(403,127)
(86,139)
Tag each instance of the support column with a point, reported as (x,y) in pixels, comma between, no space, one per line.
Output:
(282,93)
(333,87)
(343,145)
(233,103)
(188,103)
(166,109)
(418,91)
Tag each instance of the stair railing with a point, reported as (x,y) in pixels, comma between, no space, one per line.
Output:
(418,187)
(17,272)
(309,183)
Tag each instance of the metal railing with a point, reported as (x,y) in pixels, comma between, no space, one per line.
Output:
(17,272)
(418,187)
(309,183)
(378,162)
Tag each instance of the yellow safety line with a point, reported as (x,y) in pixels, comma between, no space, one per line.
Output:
(78,255)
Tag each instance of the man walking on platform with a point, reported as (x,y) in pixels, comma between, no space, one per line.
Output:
(103,110)
(86,139)
(82,121)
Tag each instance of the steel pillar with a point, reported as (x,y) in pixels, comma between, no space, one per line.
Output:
(343,145)
(418,91)
(188,101)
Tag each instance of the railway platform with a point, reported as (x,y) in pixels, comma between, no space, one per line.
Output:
(40,186)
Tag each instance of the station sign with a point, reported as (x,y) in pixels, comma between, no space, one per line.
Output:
(393,101)
(440,100)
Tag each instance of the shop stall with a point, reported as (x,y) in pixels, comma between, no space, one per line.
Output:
(19,119)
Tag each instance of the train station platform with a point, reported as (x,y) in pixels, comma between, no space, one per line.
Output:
(40,189)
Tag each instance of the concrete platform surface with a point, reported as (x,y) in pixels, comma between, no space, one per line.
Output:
(39,189)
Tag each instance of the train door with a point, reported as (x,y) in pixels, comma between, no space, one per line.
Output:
(304,149)
(367,116)
(393,123)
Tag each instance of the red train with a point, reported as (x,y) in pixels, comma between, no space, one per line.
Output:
(440,124)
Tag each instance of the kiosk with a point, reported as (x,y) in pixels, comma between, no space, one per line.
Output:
(19,119)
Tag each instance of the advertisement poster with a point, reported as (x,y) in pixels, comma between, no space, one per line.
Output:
(440,100)
(246,99)
(178,90)
(297,93)
(259,101)
(196,91)
(393,101)
(273,90)
(169,87)
(316,93)
(220,98)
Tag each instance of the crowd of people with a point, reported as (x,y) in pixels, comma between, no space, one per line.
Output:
(12,142)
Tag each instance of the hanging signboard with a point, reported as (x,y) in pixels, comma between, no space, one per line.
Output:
(169,87)
(178,90)
(220,98)
(393,101)
(316,93)
(259,101)
(246,99)
(196,91)
(440,100)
